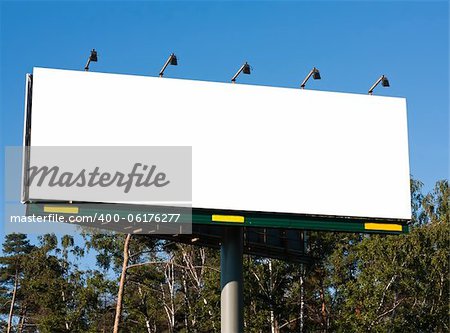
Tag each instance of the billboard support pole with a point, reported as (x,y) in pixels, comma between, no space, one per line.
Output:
(231,281)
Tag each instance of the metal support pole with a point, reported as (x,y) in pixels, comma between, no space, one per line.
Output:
(231,281)
(375,85)
(86,68)
(161,72)
(307,78)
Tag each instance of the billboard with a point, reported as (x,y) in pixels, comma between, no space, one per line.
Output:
(254,148)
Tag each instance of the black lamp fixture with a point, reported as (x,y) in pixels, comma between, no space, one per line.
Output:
(315,73)
(245,68)
(172,60)
(92,57)
(384,82)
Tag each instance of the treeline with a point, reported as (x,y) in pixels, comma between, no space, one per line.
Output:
(357,283)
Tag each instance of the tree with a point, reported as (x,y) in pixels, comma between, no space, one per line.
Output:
(16,247)
(398,283)
(126,256)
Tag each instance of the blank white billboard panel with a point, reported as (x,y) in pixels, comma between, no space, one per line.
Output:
(255,148)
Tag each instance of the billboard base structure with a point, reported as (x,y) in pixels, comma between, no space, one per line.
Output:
(280,236)
(231,281)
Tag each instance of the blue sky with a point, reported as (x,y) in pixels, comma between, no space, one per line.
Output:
(352,43)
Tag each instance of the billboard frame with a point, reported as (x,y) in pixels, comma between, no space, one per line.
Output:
(204,216)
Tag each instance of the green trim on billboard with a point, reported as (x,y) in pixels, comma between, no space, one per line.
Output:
(237,219)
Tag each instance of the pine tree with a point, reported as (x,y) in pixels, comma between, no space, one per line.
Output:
(15,248)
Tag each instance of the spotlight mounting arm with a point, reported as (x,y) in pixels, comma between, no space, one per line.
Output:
(245,68)
(314,73)
(172,60)
(384,82)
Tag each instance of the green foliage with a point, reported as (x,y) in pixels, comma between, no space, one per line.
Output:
(357,283)
(398,283)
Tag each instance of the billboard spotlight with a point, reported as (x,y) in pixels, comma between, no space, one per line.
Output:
(92,57)
(314,73)
(384,82)
(172,60)
(245,68)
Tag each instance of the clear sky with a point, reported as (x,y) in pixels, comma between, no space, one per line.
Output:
(352,43)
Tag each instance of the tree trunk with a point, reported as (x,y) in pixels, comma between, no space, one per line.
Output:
(188,311)
(273,320)
(13,300)
(145,313)
(21,320)
(323,307)
(302,299)
(170,276)
(122,283)
(64,301)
